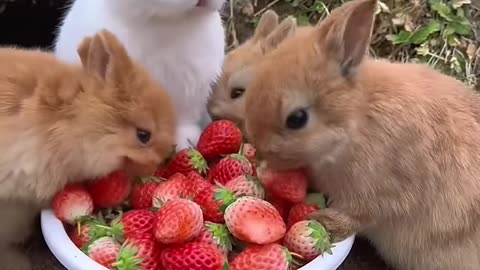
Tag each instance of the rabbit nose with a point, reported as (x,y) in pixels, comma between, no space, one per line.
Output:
(202,3)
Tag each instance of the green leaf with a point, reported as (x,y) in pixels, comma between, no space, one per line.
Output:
(400,39)
(443,10)
(460,28)
(422,34)
(302,20)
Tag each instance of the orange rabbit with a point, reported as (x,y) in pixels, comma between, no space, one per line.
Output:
(63,123)
(227,98)
(395,146)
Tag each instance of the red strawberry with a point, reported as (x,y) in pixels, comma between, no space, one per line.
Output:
(142,193)
(141,253)
(268,257)
(192,256)
(104,251)
(178,221)
(196,184)
(160,173)
(72,203)
(249,151)
(111,190)
(283,207)
(230,167)
(289,185)
(217,235)
(246,185)
(134,223)
(219,138)
(309,239)
(300,211)
(88,230)
(254,220)
(213,200)
(185,161)
(175,187)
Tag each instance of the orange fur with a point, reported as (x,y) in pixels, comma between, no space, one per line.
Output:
(63,123)
(238,62)
(394,146)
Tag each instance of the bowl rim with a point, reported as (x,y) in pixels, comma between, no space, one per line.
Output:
(61,247)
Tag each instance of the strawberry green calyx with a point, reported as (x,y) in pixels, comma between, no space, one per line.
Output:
(239,157)
(321,237)
(226,266)
(225,196)
(317,199)
(221,234)
(96,229)
(148,179)
(294,260)
(197,161)
(127,258)
(115,230)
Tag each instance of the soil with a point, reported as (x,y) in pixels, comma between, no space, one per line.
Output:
(32,24)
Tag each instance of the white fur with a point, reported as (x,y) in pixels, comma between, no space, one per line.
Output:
(180,44)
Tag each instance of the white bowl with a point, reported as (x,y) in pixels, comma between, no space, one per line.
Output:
(73,258)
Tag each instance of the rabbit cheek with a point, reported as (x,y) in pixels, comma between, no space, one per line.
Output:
(141,162)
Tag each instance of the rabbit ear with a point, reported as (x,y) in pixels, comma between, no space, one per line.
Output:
(346,34)
(105,57)
(266,25)
(284,30)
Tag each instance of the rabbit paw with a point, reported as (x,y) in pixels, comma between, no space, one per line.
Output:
(339,225)
(187,135)
(12,259)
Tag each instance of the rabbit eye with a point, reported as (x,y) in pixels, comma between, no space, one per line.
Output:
(143,135)
(297,119)
(237,92)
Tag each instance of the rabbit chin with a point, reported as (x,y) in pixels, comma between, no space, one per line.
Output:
(167,9)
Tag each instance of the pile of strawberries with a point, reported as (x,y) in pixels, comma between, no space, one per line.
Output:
(209,208)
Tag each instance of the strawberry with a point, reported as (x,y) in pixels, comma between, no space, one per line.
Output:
(213,200)
(268,257)
(175,187)
(196,184)
(142,193)
(249,151)
(88,230)
(185,161)
(178,221)
(72,203)
(230,167)
(139,252)
(111,190)
(105,251)
(289,185)
(192,256)
(133,223)
(246,185)
(219,138)
(254,220)
(283,207)
(160,173)
(217,235)
(309,239)
(300,211)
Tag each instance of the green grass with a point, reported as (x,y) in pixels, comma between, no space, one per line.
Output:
(442,33)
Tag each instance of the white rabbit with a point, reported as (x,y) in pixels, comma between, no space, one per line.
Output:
(180,42)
